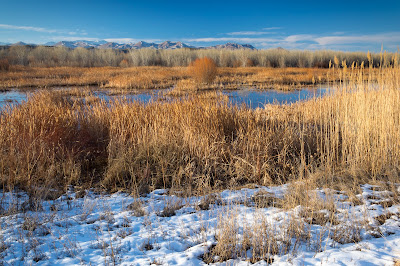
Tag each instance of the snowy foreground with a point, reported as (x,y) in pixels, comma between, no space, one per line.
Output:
(169,230)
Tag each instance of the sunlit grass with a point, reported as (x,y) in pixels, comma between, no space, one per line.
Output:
(202,142)
(136,78)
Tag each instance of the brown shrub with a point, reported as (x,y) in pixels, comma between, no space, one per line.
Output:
(249,63)
(4,65)
(124,63)
(237,63)
(204,70)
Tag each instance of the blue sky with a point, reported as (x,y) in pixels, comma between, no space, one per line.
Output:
(339,25)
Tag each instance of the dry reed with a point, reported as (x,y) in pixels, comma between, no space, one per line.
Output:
(202,142)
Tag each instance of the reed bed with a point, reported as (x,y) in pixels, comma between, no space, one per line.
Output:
(104,77)
(201,143)
(137,78)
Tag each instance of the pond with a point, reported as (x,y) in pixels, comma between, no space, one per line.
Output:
(257,98)
(249,97)
(12,97)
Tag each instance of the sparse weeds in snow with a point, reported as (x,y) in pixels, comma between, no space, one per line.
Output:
(247,228)
(381,219)
(137,208)
(264,199)
(348,232)
(88,206)
(124,232)
(171,206)
(30,223)
(70,247)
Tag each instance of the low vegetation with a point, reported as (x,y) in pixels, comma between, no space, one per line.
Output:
(325,149)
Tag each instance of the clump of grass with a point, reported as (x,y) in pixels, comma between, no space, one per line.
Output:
(208,200)
(204,70)
(170,208)
(49,142)
(264,199)
(137,208)
(347,233)
(227,237)
(381,219)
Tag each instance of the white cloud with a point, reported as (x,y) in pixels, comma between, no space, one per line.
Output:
(231,39)
(116,40)
(313,41)
(130,40)
(299,38)
(248,33)
(27,28)
(372,38)
(121,40)
(73,38)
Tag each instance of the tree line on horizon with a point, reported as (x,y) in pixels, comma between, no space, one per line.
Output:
(44,56)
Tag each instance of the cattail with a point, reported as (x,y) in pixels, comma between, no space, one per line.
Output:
(336,61)
(369,59)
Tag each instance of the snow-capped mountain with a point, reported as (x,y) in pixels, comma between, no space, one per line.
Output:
(110,45)
(143,44)
(167,45)
(232,46)
(173,45)
(80,43)
(20,44)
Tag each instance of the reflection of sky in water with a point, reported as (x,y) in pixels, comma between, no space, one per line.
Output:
(142,97)
(251,98)
(256,99)
(11,97)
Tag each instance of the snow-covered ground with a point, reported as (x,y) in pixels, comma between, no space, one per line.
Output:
(169,230)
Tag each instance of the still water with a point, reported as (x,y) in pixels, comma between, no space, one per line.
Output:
(251,98)
(11,97)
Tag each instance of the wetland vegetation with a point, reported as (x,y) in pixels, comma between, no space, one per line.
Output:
(198,144)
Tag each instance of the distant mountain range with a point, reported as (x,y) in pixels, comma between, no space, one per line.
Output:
(167,45)
(233,46)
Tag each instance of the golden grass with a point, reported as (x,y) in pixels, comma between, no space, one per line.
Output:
(201,143)
(107,77)
(161,77)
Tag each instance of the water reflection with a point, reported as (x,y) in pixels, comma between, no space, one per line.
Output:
(12,97)
(251,98)
(254,99)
